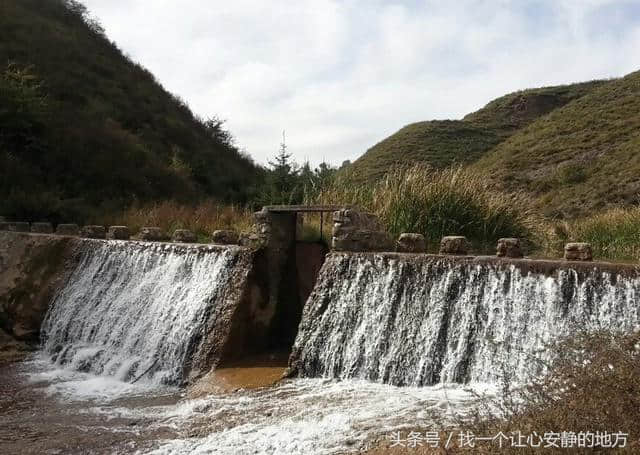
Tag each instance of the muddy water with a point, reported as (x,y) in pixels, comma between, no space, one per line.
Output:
(44,410)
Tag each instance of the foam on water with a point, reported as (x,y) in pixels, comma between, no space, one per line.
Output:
(315,416)
(134,309)
(429,320)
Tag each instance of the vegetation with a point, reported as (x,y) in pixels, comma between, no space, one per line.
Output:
(578,159)
(202,219)
(443,143)
(592,384)
(613,234)
(84,130)
(435,203)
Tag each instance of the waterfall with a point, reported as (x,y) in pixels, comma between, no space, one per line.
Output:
(130,309)
(421,320)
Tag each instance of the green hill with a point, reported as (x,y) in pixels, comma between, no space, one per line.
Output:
(579,158)
(442,143)
(84,129)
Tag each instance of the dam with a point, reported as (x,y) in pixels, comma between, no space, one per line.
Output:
(367,333)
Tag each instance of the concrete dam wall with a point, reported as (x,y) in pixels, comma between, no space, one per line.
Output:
(124,308)
(418,319)
(172,312)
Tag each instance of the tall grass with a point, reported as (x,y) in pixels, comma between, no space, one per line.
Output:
(202,218)
(435,203)
(614,234)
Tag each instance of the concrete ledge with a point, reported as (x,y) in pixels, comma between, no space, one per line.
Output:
(534,265)
(94,232)
(118,233)
(68,229)
(42,228)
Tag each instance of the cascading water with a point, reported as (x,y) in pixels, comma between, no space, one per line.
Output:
(420,320)
(130,309)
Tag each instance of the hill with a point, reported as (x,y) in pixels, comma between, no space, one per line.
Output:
(579,158)
(84,129)
(441,143)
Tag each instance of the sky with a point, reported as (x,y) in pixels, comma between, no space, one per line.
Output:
(339,76)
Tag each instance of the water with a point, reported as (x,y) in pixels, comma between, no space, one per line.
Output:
(131,309)
(427,320)
(82,413)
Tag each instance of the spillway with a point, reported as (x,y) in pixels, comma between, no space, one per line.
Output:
(422,320)
(131,309)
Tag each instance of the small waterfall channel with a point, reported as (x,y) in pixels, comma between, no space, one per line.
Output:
(132,309)
(423,320)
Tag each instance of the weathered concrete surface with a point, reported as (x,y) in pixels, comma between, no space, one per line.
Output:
(578,252)
(509,247)
(151,234)
(454,244)
(309,259)
(68,229)
(225,237)
(42,228)
(94,232)
(184,236)
(118,233)
(411,243)
(359,231)
(31,268)
(533,265)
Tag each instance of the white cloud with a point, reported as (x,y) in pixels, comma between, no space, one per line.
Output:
(340,76)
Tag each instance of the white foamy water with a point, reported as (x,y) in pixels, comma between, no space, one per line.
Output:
(300,416)
(131,309)
(313,416)
(429,320)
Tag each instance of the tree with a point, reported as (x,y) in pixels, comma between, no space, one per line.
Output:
(282,180)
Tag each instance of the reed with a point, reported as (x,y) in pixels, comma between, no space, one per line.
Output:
(202,218)
(435,203)
(614,234)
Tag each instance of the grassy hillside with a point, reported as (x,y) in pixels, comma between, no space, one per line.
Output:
(83,129)
(443,143)
(581,157)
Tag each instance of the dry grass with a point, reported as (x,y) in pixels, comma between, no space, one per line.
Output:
(203,218)
(435,203)
(592,384)
(614,234)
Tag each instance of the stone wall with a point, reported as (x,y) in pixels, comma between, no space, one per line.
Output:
(359,231)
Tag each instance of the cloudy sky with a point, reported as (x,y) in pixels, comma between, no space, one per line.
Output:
(341,76)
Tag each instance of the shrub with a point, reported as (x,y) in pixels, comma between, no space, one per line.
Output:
(592,384)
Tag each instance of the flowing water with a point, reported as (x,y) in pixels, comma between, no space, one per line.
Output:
(131,309)
(122,332)
(425,320)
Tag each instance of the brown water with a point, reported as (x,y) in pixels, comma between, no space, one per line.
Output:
(35,422)
(44,410)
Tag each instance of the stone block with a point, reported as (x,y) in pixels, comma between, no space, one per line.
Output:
(16,226)
(151,234)
(578,252)
(94,232)
(454,244)
(118,233)
(509,248)
(184,236)
(68,229)
(228,237)
(42,228)
(411,243)
(363,240)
